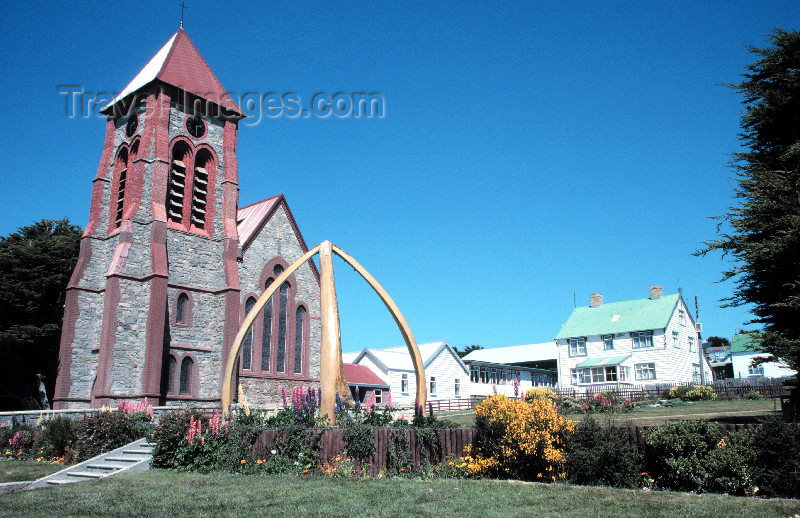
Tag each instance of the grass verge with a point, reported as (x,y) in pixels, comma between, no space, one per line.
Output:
(166,493)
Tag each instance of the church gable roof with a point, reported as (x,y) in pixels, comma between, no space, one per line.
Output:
(251,219)
(180,64)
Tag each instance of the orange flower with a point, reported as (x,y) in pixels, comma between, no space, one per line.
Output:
(243,461)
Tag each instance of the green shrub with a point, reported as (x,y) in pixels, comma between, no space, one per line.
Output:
(753,395)
(693,393)
(600,454)
(539,393)
(776,458)
(675,452)
(359,440)
(728,466)
(569,405)
(59,436)
(108,430)
(168,435)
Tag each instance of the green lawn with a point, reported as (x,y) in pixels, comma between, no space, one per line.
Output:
(733,411)
(18,470)
(163,493)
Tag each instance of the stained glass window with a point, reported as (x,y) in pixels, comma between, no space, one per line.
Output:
(282,317)
(266,336)
(299,319)
(247,344)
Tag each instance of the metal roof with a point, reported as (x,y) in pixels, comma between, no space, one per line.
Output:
(180,64)
(398,358)
(362,375)
(746,343)
(249,219)
(602,362)
(515,353)
(620,317)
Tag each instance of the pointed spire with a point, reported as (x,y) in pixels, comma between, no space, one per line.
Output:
(179,63)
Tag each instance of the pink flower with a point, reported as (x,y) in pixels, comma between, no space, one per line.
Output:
(214,425)
(191,431)
(389,399)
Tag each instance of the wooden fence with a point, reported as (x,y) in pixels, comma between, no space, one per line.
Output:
(659,391)
(452,441)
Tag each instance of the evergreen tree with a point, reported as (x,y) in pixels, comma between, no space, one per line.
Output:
(36,262)
(764,239)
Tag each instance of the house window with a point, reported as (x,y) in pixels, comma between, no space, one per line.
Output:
(283,301)
(181,308)
(691,344)
(200,189)
(122,164)
(247,343)
(299,319)
(598,375)
(186,376)
(172,365)
(608,342)
(681,317)
(642,339)
(645,371)
(676,339)
(493,376)
(696,375)
(585,375)
(484,375)
(577,346)
(474,373)
(573,376)
(266,328)
(457,387)
(757,370)
(624,373)
(404,383)
(611,374)
(433,385)
(378,396)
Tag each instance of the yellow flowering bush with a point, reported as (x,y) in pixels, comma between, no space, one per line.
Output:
(539,393)
(514,439)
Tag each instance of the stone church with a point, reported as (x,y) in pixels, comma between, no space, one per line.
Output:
(169,264)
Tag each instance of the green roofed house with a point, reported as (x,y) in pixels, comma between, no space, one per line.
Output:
(745,347)
(633,342)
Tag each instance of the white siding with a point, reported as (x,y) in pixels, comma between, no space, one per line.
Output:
(741,362)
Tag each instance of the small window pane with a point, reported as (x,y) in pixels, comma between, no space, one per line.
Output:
(282,319)
(186,376)
(172,365)
(266,326)
(180,311)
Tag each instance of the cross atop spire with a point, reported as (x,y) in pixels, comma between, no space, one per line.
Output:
(183,8)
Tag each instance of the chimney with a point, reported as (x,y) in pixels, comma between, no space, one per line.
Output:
(595,299)
(656,292)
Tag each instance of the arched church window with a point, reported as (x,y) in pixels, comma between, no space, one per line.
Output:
(283,306)
(247,344)
(186,376)
(202,164)
(182,309)
(299,321)
(122,175)
(177,182)
(172,364)
(266,335)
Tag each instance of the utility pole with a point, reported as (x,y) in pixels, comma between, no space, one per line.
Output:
(700,353)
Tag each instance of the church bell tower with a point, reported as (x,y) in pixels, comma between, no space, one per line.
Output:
(153,303)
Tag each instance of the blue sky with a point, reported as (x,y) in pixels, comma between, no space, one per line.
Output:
(529,152)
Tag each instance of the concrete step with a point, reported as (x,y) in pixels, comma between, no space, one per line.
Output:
(137,452)
(105,467)
(123,459)
(84,474)
(58,482)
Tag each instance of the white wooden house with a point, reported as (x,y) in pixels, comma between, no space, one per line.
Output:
(635,342)
(446,375)
(744,349)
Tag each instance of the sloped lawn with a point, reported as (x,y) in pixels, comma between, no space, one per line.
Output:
(18,470)
(165,493)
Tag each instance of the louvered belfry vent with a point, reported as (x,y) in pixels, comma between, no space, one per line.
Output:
(200,189)
(177,185)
